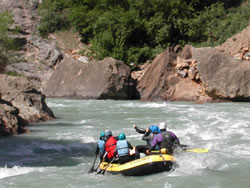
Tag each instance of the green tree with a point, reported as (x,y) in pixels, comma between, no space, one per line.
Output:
(136,30)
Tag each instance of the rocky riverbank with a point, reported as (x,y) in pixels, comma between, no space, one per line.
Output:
(51,67)
(21,103)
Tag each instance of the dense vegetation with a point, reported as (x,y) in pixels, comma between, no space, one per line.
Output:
(137,30)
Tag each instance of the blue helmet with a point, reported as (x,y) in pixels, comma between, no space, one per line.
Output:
(154,129)
(102,134)
(122,136)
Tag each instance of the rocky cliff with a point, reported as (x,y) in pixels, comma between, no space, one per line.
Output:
(21,100)
(21,103)
(196,74)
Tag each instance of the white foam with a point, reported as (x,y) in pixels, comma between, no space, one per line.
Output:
(153,105)
(16,170)
(144,105)
(88,139)
(52,105)
(167,185)
(79,122)
(190,164)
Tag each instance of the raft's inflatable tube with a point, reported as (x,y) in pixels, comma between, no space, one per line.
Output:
(143,166)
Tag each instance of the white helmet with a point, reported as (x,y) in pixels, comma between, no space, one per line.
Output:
(162,125)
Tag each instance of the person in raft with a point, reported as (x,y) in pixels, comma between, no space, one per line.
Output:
(148,136)
(122,149)
(100,145)
(147,133)
(164,139)
(110,145)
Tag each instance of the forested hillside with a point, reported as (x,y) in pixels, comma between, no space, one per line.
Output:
(136,30)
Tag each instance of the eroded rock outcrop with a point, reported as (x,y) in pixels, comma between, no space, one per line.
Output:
(22,94)
(10,121)
(222,76)
(196,74)
(105,79)
(37,56)
(161,80)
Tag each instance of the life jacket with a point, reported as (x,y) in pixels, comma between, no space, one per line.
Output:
(122,148)
(166,142)
(101,146)
(110,146)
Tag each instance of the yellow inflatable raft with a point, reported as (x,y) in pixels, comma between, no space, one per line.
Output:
(143,166)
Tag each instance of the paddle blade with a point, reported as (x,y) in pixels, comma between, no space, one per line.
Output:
(99,172)
(198,150)
(91,170)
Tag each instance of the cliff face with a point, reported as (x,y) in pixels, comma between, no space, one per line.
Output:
(196,74)
(223,76)
(21,100)
(37,56)
(21,103)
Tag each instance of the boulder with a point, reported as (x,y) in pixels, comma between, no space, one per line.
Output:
(223,76)
(105,79)
(196,74)
(23,95)
(10,121)
(161,81)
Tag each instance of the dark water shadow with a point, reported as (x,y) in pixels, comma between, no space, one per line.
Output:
(25,151)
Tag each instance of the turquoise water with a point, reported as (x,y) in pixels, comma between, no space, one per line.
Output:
(59,153)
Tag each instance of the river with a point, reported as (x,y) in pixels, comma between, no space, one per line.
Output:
(59,153)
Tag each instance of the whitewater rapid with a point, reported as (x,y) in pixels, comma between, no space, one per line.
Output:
(59,153)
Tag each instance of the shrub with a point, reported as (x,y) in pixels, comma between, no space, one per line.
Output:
(53,16)
(5,20)
(134,31)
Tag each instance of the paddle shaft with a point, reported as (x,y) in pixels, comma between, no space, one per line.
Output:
(93,165)
(107,166)
(98,166)
(196,150)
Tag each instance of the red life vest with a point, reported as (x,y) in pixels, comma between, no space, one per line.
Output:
(110,146)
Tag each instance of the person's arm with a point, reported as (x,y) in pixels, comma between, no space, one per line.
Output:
(139,129)
(174,139)
(129,145)
(147,137)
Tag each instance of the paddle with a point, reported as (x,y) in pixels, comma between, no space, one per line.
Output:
(196,150)
(104,170)
(98,166)
(93,166)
